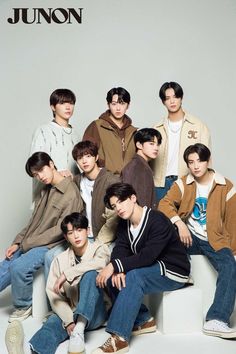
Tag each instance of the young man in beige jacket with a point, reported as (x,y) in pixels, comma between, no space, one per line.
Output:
(178,130)
(77,302)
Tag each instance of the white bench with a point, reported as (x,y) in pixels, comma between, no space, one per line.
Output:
(39,298)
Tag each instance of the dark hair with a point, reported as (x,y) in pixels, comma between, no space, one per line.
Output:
(77,220)
(62,96)
(175,86)
(147,134)
(120,190)
(37,161)
(84,148)
(123,95)
(200,149)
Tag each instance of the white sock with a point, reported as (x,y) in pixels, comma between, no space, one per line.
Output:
(27,347)
(80,325)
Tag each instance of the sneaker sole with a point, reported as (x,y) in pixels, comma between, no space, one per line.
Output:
(100,351)
(14,338)
(224,335)
(83,352)
(145,330)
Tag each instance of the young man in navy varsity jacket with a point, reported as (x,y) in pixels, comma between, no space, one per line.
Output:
(148,257)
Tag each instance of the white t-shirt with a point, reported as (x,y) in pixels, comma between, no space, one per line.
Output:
(135,231)
(197,220)
(174,129)
(86,187)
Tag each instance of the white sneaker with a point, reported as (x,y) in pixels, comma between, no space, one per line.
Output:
(14,338)
(76,344)
(20,314)
(218,329)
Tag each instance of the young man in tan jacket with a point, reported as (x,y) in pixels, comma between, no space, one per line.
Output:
(77,302)
(202,205)
(26,254)
(113,132)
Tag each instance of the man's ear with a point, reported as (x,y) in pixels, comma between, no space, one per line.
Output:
(51,165)
(97,158)
(133,198)
(139,146)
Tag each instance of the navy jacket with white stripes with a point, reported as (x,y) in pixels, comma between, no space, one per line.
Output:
(157,242)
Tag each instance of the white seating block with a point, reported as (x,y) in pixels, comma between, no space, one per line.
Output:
(178,311)
(39,298)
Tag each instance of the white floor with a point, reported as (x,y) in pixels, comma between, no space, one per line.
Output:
(149,344)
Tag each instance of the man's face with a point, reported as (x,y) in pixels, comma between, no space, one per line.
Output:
(77,237)
(87,163)
(124,209)
(149,149)
(45,175)
(63,110)
(117,109)
(197,168)
(172,103)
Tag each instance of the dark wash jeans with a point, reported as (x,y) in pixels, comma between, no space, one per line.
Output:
(224,263)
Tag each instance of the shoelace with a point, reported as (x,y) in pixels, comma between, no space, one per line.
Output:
(109,341)
(222,325)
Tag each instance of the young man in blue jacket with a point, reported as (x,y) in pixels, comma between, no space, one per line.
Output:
(148,257)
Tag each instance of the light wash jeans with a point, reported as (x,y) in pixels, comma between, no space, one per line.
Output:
(162,191)
(128,309)
(224,263)
(91,306)
(18,271)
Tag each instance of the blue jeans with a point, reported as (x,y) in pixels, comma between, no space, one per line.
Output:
(223,261)
(91,306)
(162,191)
(18,271)
(128,309)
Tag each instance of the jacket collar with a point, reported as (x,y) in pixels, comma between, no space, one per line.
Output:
(62,186)
(218,178)
(187,117)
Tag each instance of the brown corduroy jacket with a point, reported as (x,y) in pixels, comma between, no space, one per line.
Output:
(221,208)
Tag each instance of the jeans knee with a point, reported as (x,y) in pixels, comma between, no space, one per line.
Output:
(132,277)
(90,276)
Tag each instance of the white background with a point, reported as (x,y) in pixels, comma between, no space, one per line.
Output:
(136,44)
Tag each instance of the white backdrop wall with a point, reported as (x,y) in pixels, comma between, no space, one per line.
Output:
(136,44)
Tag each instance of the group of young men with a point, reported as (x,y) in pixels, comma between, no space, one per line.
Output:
(116,217)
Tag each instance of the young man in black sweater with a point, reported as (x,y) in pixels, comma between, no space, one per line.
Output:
(148,257)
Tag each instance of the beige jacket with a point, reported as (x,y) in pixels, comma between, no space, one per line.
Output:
(193,131)
(96,257)
(44,227)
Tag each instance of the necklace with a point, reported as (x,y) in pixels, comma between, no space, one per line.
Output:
(67,130)
(175,127)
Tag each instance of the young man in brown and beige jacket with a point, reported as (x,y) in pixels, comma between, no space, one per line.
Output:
(113,132)
(202,205)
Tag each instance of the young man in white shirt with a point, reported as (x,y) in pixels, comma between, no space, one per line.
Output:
(202,205)
(179,130)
